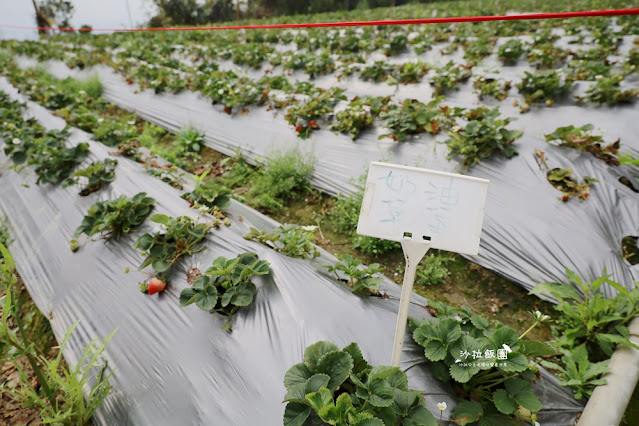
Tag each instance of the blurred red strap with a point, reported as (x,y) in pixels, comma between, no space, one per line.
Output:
(526,16)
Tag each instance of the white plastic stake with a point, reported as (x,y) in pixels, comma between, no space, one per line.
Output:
(414,252)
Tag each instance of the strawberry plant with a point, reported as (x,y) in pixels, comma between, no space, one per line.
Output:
(581,138)
(562,180)
(631,62)
(498,89)
(360,279)
(53,161)
(544,37)
(251,54)
(112,218)
(543,86)
(295,61)
(208,195)
(450,76)
(410,72)
(480,48)
(421,43)
(396,45)
(511,51)
(607,89)
(547,55)
(226,286)
(230,90)
(169,174)
(413,117)
(376,104)
(588,70)
(484,136)
(160,79)
(113,132)
(305,115)
(291,240)
(97,175)
(319,65)
(606,38)
(179,237)
(377,72)
(339,387)
(128,149)
(352,120)
(20,137)
(490,366)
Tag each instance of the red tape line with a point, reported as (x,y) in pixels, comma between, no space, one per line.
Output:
(527,16)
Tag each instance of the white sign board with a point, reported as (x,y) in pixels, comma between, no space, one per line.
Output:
(445,208)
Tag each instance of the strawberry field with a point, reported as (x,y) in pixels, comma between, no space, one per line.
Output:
(200,191)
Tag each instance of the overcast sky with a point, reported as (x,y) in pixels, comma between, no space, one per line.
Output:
(97,13)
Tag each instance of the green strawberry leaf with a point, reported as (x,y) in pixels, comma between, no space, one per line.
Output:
(299,373)
(295,414)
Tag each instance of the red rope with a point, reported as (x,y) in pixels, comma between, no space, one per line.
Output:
(527,16)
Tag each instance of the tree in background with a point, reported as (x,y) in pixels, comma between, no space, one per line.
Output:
(260,8)
(191,12)
(51,13)
(194,12)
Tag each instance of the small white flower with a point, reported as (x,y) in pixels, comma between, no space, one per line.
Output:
(458,318)
(100,120)
(132,122)
(203,209)
(220,92)
(540,316)
(442,406)
(537,424)
(506,348)
(82,92)
(598,77)
(16,141)
(309,228)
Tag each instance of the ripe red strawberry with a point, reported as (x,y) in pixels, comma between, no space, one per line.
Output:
(313,124)
(565,198)
(156,285)
(128,80)
(298,128)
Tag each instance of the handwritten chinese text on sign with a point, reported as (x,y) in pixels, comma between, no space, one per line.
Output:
(444,207)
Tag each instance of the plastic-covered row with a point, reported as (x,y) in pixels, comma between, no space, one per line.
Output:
(176,365)
(529,235)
